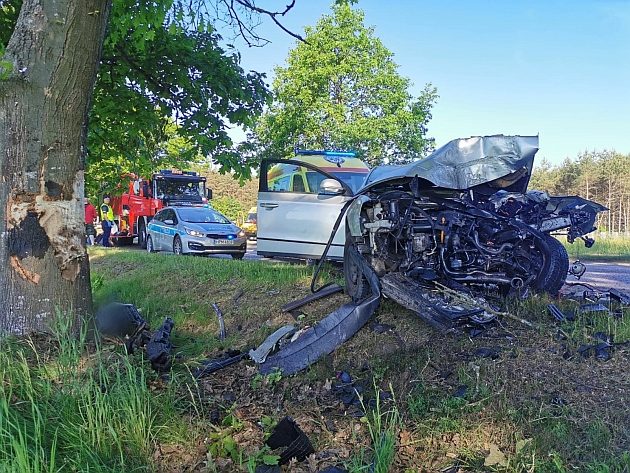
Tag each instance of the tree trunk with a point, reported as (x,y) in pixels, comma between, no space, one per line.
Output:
(44,101)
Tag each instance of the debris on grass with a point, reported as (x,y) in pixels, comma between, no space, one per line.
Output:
(159,347)
(288,435)
(221,321)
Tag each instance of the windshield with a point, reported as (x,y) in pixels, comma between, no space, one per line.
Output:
(180,189)
(354,180)
(202,215)
(251,218)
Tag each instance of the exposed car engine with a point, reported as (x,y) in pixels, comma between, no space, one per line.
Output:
(486,237)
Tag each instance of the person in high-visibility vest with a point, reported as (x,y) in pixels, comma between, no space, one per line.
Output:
(107,220)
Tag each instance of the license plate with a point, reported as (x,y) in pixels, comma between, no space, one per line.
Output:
(222,242)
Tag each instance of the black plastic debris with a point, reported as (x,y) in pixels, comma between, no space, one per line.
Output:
(221,321)
(378,327)
(593,308)
(287,434)
(555,312)
(333,469)
(461,391)
(323,292)
(620,297)
(344,377)
(485,352)
(119,320)
(215,364)
(159,346)
(267,469)
(602,350)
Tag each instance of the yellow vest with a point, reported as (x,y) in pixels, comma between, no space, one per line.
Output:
(107,213)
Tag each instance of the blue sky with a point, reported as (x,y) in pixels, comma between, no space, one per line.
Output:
(560,69)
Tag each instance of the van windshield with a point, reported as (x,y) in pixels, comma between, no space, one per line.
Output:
(354,180)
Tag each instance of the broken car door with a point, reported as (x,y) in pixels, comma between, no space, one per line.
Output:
(297,208)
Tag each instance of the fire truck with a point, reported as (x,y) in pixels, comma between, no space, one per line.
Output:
(134,209)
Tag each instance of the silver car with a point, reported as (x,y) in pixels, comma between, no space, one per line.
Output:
(195,230)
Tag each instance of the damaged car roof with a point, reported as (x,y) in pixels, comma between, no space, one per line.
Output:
(503,162)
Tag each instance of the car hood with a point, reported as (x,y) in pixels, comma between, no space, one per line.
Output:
(487,162)
(219,228)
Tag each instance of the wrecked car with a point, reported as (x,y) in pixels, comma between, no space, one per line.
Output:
(463,217)
(448,237)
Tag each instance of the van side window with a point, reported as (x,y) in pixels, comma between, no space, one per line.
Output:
(280,184)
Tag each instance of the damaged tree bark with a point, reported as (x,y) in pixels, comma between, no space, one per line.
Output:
(44,100)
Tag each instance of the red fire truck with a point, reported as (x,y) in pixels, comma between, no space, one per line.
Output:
(134,209)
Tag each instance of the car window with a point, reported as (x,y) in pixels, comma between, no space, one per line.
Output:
(159,217)
(169,214)
(292,178)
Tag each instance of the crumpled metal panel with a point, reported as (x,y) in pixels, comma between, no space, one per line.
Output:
(467,162)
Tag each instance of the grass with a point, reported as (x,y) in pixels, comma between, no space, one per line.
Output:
(69,405)
(604,249)
(70,410)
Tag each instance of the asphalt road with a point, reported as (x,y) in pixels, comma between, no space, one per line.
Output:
(606,275)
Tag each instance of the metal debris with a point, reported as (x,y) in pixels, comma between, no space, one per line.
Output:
(221,321)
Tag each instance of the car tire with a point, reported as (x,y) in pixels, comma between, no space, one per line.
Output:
(357,286)
(142,234)
(149,244)
(238,256)
(558,266)
(178,248)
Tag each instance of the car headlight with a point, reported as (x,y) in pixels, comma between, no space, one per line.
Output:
(194,233)
(241,234)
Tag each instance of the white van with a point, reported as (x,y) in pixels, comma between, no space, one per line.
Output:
(299,201)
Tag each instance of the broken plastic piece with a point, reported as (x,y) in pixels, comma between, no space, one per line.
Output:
(160,346)
(584,308)
(288,434)
(324,292)
(555,312)
(210,366)
(119,320)
(221,321)
(485,352)
(577,269)
(330,332)
(619,296)
(259,355)
(461,391)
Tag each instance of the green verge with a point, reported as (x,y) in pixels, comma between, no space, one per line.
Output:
(604,249)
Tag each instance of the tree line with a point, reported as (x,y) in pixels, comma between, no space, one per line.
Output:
(601,176)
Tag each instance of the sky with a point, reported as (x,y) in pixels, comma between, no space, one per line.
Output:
(559,69)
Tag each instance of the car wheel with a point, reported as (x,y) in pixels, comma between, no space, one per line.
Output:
(238,256)
(142,234)
(558,266)
(150,247)
(357,286)
(177,246)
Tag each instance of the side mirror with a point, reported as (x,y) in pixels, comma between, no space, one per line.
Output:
(169,222)
(209,194)
(331,187)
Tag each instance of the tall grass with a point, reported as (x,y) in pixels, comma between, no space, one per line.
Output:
(76,411)
(605,248)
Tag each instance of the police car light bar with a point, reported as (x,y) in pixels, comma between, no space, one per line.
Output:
(308,152)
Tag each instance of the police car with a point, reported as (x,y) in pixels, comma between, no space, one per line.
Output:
(195,230)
